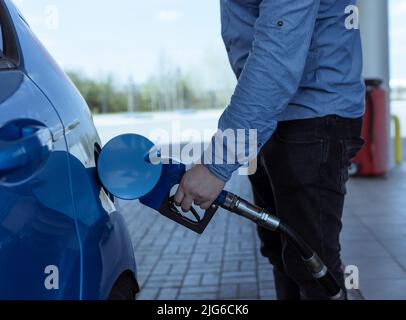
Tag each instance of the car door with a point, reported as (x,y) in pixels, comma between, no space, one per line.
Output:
(40,254)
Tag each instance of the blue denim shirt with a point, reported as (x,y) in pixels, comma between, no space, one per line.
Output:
(293,60)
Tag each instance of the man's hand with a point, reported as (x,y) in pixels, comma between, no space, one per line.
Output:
(198,186)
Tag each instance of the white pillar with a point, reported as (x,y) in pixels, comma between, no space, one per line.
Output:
(374,24)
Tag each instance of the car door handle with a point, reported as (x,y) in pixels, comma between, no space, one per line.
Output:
(23,143)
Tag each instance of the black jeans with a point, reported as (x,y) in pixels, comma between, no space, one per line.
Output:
(301,177)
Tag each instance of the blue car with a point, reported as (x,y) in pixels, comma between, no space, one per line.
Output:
(61,236)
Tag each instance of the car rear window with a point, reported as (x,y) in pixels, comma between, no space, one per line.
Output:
(1,38)
(4,62)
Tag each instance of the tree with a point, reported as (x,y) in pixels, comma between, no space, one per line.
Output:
(169,90)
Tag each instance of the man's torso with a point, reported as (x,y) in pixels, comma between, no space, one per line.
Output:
(332,78)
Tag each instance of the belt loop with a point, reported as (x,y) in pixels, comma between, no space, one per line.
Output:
(319,127)
(327,124)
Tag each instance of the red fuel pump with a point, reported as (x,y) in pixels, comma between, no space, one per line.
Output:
(373,158)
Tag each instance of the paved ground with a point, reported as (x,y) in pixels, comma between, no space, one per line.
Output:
(223,263)
(374,233)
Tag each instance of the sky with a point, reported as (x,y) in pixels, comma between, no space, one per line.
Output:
(134,39)
(128,38)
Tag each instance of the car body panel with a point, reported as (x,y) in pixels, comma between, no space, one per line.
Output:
(34,235)
(102,238)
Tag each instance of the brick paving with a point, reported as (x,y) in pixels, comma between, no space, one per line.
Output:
(374,232)
(175,263)
(225,263)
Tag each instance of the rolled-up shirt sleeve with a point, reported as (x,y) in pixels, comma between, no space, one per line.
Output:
(269,80)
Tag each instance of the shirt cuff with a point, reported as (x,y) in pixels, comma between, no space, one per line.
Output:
(220,171)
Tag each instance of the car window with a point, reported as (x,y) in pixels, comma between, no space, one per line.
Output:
(4,62)
(1,38)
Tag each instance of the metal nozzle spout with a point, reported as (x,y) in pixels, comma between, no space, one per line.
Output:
(256,214)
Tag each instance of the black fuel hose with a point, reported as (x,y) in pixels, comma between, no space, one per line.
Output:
(312,261)
(314,264)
